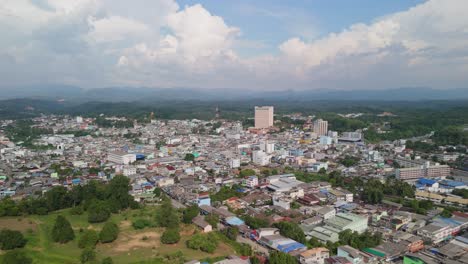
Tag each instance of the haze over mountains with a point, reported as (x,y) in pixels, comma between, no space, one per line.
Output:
(123,94)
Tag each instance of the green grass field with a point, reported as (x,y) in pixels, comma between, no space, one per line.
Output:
(132,246)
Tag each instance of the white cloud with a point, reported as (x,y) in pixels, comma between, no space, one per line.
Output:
(157,43)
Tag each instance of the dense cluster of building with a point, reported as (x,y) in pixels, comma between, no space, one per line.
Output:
(191,159)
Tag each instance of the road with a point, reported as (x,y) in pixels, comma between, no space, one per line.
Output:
(255,246)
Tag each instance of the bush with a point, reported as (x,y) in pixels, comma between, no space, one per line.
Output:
(141,223)
(190,213)
(107,260)
(98,212)
(277,257)
(203,242)
(16,257)
(231,232)
(77,210)
(11,239)
(170,236)
(87,255)
(109,232)
(62,231)
(89,239)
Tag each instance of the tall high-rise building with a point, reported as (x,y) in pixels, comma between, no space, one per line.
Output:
(321,127)
(263,116)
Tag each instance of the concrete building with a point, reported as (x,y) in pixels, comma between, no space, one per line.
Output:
(425,171)
(320,127)
(343,221)
(128,170)
(120,157)
(268,147)
(235,163)
(326,140)
(259,157)
(351,137)
(263,116)
(350,254)
(314,256)
(251,181)
(435,232)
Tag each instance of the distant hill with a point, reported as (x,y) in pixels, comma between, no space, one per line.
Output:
(127,94)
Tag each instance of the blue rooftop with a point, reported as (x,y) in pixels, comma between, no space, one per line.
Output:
(290,247)
(426,181)
(234,221)
(452,183)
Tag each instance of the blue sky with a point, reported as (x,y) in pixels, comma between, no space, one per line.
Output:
(238,44)
(269,22)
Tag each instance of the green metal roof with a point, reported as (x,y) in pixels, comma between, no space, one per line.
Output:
(374,252)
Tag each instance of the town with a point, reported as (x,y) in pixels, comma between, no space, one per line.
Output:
(286,189)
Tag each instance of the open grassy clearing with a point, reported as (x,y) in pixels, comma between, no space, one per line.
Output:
(132,246)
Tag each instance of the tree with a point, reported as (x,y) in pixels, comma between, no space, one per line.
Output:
(98,212)
(189,157)
(109,233)
(190,213)
(170,236)
(446,213)
(141,223)
(277,257)
(212,219)
(204,242)
(57,198)
(11,239)
(246,172)
(89,239)
(291,230)
(118,191)
(254,260)
(16,257)
(166,215)
(87,255)
(231,232)
(255,223)
(62,231)
(107,260)
(157,192)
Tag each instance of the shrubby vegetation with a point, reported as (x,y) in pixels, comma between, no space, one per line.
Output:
(170,236)
(277,257)
(112,196)
(16,257)
(291,230)
(255,223)
(204,242)
(225,193)
(190,213)
(62,231)
(11,239)
(109,232)
(89,239)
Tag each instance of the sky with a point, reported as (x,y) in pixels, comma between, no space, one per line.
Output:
(242,44)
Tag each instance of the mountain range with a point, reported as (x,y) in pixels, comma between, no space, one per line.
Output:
(127,94)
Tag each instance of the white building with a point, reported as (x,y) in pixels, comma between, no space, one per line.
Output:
(251,181)
(321,127)
(129,170)
(79,119)
(120,157)
(263,116)
(268,147)
(235,163)
(314,256)
(259,157)
(316,167)
(326,140)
